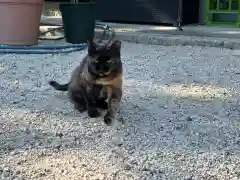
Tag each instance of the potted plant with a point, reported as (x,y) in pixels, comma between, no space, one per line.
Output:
(78,20)
(20,21)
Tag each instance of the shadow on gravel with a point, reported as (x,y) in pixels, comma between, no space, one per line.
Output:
(147,109)
(161,120)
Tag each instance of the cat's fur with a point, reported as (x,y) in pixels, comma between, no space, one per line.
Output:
(96,80)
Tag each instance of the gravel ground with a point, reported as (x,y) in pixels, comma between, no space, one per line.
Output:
(180,107)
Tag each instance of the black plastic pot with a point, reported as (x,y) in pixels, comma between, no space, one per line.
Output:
(78,21)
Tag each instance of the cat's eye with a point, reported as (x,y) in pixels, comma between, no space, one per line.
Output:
(94,60)
(109,61)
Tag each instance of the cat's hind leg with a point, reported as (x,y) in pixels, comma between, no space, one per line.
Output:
(79,102)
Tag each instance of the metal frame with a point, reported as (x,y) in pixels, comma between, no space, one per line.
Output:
(217,10)
(179,19)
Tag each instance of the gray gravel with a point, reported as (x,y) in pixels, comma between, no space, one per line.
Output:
(180,105)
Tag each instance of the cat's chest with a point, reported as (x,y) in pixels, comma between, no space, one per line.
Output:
(95,90)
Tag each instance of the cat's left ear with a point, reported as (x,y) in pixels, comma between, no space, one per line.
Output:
(116,46)
(92,46)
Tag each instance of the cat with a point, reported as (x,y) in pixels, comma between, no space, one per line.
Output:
(84,95)
(96,84)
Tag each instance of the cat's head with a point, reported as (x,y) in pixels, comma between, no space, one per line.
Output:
(104,59)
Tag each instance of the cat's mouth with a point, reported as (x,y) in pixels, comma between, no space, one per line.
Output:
(106,73)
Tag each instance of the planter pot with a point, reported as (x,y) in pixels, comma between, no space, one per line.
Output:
(20,21)
(78,21)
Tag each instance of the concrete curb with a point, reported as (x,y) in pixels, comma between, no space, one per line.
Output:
(165,39)
(176,40)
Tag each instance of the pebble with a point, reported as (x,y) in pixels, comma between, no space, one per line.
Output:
(58,146)
(60,134)
(13,153)
(127,166)
(189,119)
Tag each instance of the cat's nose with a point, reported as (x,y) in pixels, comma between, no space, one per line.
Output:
(101,71)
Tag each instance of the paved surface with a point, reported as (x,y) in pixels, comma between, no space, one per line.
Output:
(168,36)
(180,107)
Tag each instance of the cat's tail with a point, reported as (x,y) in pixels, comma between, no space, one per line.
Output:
(59,87)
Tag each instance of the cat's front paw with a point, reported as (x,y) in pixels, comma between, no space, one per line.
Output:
(94,113)
(108,119)
(103,105)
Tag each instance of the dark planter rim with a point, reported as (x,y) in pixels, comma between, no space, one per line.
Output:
(82,3)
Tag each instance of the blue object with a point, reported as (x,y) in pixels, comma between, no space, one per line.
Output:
(41,49)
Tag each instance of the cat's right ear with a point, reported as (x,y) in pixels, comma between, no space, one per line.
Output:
(92,47)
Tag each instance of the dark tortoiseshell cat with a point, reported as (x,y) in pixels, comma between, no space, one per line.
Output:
(97,82)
